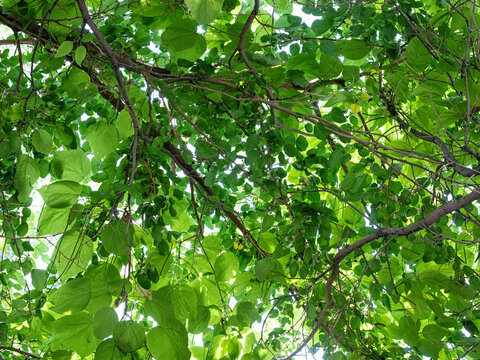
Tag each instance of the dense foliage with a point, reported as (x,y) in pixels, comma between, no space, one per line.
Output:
(216,179)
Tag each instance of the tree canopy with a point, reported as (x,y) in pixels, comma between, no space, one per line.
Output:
(226,179)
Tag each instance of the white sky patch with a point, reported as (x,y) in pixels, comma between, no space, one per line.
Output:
(306,18)
(154,48)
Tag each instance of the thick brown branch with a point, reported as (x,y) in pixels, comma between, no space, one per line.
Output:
(116,70)
(447,152)
(19,351)
(430,219)
(174,153)
(246,28)
(15,42)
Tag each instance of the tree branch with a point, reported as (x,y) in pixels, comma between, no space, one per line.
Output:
(116,70)
(174,153)
(447,152)
(19,351)
(430,219)
(26,41)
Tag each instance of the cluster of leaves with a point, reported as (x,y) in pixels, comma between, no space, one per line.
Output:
(234,179)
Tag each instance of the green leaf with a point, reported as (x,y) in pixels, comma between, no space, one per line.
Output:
(64,49)
(78,85)
(52,221)
(199,324)
(353,49)
(448,118)
(323,25)
(74,295)
(320,132)
(348,182)
(226,266)
(417,56)
(330,67)
(267,268)
(184,302)
(61,194)
(26,175)
(301,143)
(429,348)
(42,141)
(114,237)
(73,254)
(62,355)
(338,355)
(212,245)
(160,306)
(181,222)
(103,138)
(350,73)
(168,341)
(124,125)
(247,312)
(80,54)
(183,41)
(434,332)
(74,332)
(39,278)
(351,216)
(303,62)
(293,154)
(102,294)
(104,322)
(108,274)
(108,350)
(129,336)
(268,242)
(204,11)
(72,165)
(340,98)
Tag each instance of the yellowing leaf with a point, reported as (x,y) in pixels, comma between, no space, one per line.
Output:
(365,97)
(268,242)
(355,108)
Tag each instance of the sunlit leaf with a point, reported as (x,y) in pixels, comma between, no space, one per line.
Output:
(204,11)
(168,341)
(129,336)
(73,254)
(64,48)
(74,332)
